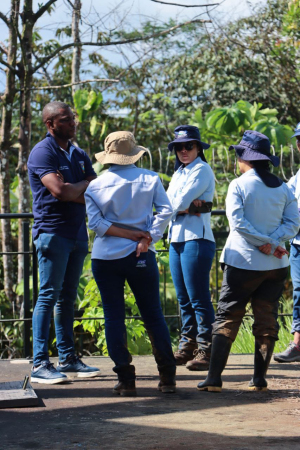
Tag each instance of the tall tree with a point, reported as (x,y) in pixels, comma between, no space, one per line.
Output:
(76,50)
(25,74)
(5,143)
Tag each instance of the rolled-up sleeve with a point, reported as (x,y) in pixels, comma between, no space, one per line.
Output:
(238,222)
(96,220)
(164,212)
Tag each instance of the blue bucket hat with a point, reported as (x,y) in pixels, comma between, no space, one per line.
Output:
(297,130)
(255,146)
(186,133)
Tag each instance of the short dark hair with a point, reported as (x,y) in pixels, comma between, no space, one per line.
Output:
(51,110)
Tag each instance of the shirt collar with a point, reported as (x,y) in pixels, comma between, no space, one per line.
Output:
(117,167)
(186,169)
(53,141)
(69,153)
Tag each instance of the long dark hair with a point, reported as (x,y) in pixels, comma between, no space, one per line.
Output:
(178,163)
(262,168)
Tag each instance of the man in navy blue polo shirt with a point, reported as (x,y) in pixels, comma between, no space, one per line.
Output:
(59,174)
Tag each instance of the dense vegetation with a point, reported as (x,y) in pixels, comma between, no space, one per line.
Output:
(243,75)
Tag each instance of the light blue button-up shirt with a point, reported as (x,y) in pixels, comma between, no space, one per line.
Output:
(195,181)
(258,215)
(294,185)
(125,196)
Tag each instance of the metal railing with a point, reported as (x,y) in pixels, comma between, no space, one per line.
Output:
(32,270)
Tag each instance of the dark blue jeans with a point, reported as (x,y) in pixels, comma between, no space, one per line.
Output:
(190,264)
(295,274)
(110,276)
(60,266)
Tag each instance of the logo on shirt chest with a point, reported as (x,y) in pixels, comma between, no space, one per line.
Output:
(82,166)
(63,168)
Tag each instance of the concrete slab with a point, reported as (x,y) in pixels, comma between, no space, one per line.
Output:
(84,414)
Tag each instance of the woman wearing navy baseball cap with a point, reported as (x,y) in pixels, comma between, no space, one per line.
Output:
(192,245)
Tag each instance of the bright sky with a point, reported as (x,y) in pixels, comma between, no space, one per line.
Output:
(110,13)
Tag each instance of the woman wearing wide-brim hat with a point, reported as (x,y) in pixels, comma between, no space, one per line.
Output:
(192,246)
(119,206)
(262,214)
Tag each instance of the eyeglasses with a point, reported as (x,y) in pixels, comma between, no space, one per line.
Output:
(178,147)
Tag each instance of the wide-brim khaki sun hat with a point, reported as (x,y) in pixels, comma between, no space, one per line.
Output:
(120,148)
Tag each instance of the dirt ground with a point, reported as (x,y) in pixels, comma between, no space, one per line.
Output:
(86,415)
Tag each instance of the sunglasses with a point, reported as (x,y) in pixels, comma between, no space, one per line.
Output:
(178,147)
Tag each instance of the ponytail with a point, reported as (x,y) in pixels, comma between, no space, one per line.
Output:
(262,168)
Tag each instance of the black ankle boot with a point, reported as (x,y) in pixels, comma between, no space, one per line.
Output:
(125,388)
(126,384)
(264,347)
(219,354)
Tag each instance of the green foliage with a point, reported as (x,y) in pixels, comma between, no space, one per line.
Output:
(244,342)
(225,124)
(243,76)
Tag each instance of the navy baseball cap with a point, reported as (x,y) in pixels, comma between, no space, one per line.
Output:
(297,130)
(186,133)
(255,146)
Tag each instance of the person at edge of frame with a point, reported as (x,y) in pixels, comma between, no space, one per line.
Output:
(254,258)
(292,353)
(192,246)
(123,198)
(59,173)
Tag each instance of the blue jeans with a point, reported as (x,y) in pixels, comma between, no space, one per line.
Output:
(60,266)
(295,274)
(190,264)
(110,276)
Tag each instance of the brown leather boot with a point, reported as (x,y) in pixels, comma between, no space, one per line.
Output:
(167,384)
(200,361)
(185,354)
(125,388)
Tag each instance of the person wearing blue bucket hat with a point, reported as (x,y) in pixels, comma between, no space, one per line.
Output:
(292,352)
(192,246)
(262,214)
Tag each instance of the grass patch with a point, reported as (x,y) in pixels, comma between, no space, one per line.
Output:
(244,342)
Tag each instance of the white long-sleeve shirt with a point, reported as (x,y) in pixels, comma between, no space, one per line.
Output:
(125,196)
(258,215)
(195,181)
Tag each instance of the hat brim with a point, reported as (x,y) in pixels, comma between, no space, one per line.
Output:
(118,158)
(250,155)
(296,134)
(205,146)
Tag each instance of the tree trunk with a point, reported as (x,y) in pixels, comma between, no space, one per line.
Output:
(25,75)
(5,143)
(76,15)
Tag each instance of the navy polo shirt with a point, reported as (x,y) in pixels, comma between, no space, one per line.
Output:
(66,219)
